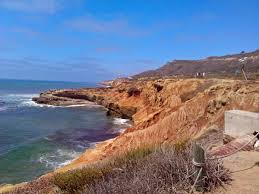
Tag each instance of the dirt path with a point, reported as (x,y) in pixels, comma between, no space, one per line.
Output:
(245,173)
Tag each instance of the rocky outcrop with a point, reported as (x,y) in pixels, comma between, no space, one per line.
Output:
(52,98)
(166,111)
(142,101)
(167,117)
(163,110)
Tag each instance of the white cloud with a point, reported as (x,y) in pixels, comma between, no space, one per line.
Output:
(32,6)
(116,25)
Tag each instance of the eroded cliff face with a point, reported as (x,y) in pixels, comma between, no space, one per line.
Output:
(163,110)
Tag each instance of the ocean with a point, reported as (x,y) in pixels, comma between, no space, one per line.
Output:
(36,139)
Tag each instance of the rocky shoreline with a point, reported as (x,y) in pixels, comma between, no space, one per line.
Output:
(164,111)
(175,109)
(88,97)
(50,98)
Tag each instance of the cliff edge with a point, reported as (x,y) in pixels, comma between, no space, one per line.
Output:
(164,111)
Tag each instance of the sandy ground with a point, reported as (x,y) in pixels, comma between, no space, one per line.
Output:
(245,173)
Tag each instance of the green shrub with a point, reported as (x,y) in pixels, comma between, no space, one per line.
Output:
(137,153)
(181,145)
(74,181)
(166,169)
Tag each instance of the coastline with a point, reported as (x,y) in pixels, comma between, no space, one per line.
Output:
(116,99)
(181,110)
(23,103)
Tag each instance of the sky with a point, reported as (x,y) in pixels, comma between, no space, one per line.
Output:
(94,40)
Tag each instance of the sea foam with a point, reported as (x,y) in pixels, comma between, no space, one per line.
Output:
(58,158)
(121,124)
(119,121)
(3,108)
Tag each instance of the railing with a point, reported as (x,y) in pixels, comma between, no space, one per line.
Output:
(199,160)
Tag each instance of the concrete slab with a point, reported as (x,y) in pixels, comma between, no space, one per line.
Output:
(239,123)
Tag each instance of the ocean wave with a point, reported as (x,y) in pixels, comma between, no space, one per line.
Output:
(22,95)
(3,108)
(80,105)
(30,103)
(12,100)
(121,125)
(25,100)
(123,122)
(58,158)
(93,144)
(22,100)
(17,97)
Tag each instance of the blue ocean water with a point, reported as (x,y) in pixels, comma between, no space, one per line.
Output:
(36,139)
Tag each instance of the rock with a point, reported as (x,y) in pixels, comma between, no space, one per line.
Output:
(162,117)
(158,87)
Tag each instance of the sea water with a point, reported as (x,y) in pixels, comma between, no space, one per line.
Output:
(36,139)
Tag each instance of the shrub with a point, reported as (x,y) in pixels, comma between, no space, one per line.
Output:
(144,170)
(121,90)
(133,92)
(158,87)
(73,181)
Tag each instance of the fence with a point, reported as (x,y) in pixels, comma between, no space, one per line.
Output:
(199,161)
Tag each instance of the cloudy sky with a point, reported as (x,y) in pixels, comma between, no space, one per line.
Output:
(93,40)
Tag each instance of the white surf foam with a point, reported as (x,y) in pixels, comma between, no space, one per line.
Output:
(58,158)
(121,125)
(25,100)
(22,95)
(119,121)
(30,103)
(3,108)
(80,105)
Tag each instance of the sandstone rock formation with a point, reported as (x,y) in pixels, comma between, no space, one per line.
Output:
(163,111)
(179,110)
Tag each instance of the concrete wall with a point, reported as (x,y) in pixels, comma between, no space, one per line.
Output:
(238,123)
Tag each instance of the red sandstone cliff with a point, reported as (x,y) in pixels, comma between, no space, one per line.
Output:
(163,110)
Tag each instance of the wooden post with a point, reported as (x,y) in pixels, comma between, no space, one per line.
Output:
(199,162)
(244,74)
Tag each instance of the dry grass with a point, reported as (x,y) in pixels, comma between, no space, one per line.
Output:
(42,185)
(144,170)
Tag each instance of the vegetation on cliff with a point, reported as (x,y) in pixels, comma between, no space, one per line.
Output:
(143,170)
(166,111)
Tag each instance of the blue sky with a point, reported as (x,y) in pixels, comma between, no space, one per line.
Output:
(93,40)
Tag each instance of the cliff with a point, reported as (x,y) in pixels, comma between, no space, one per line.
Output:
(164,111)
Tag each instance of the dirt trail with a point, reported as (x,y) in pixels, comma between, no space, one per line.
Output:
(245,173)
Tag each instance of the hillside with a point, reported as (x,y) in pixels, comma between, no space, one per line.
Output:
(228,64)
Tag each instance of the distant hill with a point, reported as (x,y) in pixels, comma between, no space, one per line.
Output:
(215,64)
